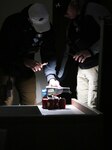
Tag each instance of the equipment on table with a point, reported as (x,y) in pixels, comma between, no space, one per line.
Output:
(50,98)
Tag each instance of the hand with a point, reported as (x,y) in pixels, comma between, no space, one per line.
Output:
(34,65)
(54,83)
(81,56)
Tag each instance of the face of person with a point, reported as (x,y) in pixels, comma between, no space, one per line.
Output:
(71,13)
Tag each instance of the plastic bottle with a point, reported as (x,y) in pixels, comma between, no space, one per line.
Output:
(44,99)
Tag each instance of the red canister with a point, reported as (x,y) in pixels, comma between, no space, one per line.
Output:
(50,103)
(62,103)
(44,102)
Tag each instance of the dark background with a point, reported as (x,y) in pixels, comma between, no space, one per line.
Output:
(71,132)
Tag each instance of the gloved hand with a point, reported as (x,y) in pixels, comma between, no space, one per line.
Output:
(54,83)
(34,65)
(82,55)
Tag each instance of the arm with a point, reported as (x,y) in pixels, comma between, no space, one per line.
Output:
(89,35)
(14,51)
(48,54)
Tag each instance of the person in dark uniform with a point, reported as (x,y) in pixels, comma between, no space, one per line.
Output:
(84,46)
(22,35)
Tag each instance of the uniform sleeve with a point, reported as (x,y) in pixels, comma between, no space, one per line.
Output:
(48,54)
(11,41)
(89,34)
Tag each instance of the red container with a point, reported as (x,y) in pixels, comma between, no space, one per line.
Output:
(62,103)
(44,103)
(56,103)
(53,103)
(50,104)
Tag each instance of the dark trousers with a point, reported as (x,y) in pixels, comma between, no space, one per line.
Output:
(26,88)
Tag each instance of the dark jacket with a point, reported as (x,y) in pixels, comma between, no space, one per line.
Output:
(83,32)
(19,40)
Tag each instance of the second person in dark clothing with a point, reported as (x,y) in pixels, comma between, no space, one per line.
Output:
(85,45)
